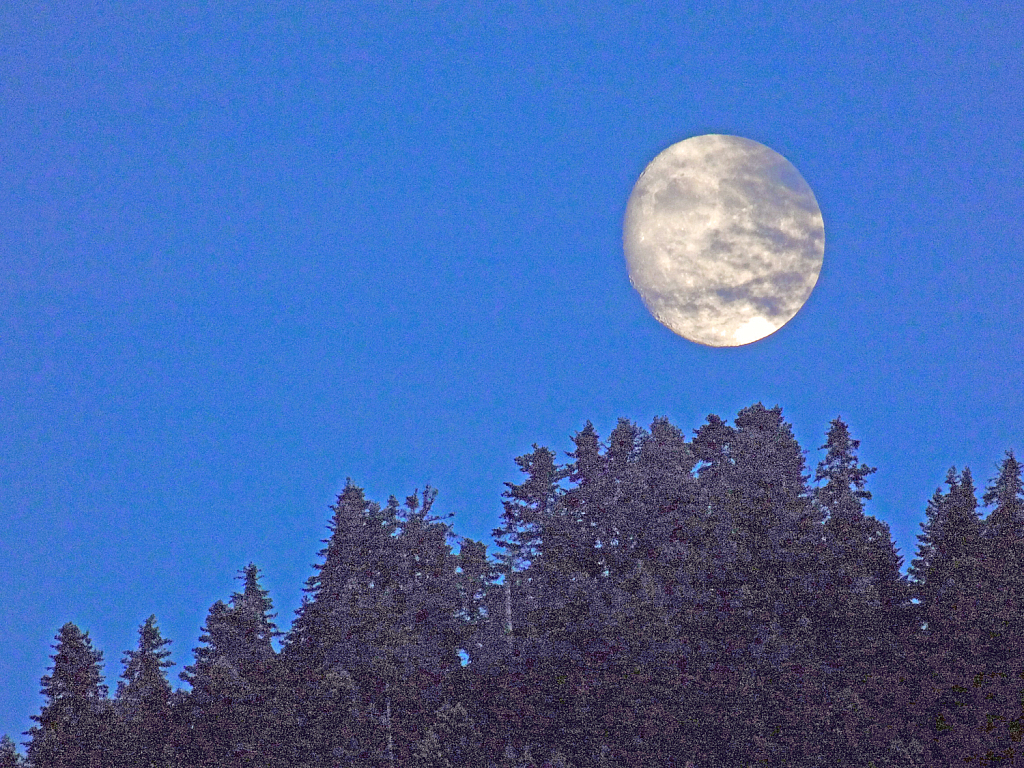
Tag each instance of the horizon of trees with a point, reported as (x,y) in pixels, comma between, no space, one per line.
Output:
(652,602)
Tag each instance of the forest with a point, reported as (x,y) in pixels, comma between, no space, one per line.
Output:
(652,601)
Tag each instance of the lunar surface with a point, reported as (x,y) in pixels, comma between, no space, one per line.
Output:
(723,239)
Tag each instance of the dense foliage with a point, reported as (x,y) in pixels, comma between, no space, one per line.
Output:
(653,602)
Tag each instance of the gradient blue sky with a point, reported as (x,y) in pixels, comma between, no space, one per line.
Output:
(247,253)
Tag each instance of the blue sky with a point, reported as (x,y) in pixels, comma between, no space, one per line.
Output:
(247,253)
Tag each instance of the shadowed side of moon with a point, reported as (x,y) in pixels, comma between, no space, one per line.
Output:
(723,239)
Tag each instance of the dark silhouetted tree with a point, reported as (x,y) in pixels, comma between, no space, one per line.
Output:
(76,726)
(236,713)
(143,696)
(325,635)
(948,581)
(1001,677)
(765,568)
(9,757)
(451,741)
(864,617)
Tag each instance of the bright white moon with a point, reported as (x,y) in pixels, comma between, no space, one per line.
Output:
(723,239)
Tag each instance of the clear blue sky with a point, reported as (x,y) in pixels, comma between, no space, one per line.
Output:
(247,253)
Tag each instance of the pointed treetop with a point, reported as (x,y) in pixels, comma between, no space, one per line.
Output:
(76,667)
(843,491)
(253,597)
(1006,491)
(144,668)
(952,529)
(527,504)
(9,757)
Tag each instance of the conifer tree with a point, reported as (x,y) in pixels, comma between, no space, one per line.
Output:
(9,757)
(419,631)
(483,623)
(144,694)
(76,726)
(531,520)
(527,509)
(235,712)
(1001,680)
(948,580)
(1003,542)
(325,636)
(767,546)
(452,741)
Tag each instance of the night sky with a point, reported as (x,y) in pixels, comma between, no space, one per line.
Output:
(245,254)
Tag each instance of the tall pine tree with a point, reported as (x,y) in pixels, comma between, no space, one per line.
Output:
(864,616)
(144,695)
(1002,678)
(9,757)
(235,713)
(76,726)
(948,580)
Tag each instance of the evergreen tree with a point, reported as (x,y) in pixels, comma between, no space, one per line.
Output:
(506,686)
(1002,679)
(1003,542)
(9,757)
(527,509)
(76,726)
(385,608)
(766,542)
(452,741)
(235,711)
(481,612)
(948,580)
(143,696)
(864,615)
(419,632)
(325,635)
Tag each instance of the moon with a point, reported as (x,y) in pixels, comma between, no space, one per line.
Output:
(723,239)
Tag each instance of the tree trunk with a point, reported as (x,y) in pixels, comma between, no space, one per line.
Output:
(508,605)
(390,749)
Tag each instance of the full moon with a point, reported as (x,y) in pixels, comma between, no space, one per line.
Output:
(723,240)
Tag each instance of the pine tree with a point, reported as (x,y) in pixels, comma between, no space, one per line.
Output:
(420,631)
(1002,679)
(235,711)
(766,539)
(864,614)
(527,509)
(1003,542)
(948,580)
(325,637)
(452,741)
(76,726)
(9,757)
(143,696)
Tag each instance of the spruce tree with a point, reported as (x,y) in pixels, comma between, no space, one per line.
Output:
(531,520)
(235,709)
(1002,679)
(143,696)
(419,632)
(527,509)
(452,741)
(765,568)
(864,616)
(9,757)
(948,580)
(324,639)
(76,726)
(1003,543)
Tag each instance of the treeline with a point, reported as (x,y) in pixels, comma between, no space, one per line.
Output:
(652,602)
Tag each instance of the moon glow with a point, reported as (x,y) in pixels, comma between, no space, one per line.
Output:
(723,239)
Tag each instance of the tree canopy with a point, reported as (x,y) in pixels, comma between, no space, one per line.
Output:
(651,601)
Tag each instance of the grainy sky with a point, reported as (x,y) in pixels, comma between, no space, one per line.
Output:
(247,253)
